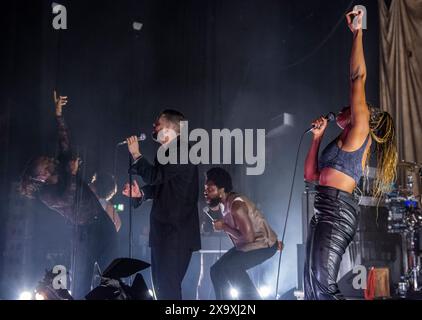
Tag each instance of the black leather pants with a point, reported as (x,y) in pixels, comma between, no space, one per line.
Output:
(330,232)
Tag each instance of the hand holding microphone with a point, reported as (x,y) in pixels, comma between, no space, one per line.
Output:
(133,145)
(320,124)
(142,137)
(206,210)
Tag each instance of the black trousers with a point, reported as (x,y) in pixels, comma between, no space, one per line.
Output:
(169,263)
(330,232)
(230,271)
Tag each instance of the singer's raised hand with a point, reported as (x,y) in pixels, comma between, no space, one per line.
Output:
(319,125)
(133,146)
(355,26)
(59,103)
(136,191)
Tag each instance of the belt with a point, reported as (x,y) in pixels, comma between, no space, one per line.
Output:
(336,193)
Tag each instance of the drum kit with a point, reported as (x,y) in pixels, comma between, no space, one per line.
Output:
(405,218)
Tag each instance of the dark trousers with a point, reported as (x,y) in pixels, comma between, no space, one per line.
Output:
(92,243)
(330,232)
(230,271)
(169,263)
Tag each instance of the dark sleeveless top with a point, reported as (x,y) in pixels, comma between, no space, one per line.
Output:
(349,163)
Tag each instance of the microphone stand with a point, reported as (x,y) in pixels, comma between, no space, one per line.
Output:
(130,204)
(130,213)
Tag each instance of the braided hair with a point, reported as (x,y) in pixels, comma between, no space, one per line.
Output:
(383,132)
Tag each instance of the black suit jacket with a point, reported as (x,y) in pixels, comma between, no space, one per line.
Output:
(174,190)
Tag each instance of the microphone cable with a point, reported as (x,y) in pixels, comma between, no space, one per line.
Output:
(288,213)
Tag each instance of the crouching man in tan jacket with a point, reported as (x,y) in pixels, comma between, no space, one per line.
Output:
(254,240)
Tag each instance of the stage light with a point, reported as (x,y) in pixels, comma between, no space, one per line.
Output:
(151,293)
(137,26)
(264,292)
(300,295)
(234,293)
(25,295)
(39,296)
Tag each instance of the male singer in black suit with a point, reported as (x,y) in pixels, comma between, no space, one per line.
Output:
(174,221)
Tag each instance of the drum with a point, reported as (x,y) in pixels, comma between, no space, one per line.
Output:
(409,179)
(404,215)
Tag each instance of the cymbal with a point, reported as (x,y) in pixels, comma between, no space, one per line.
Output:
(410,165)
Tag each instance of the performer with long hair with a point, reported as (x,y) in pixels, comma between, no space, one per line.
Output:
(56,182)
(338,172)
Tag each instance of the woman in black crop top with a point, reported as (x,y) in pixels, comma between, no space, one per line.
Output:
(338,171)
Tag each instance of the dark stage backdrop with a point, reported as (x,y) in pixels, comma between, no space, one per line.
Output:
(225,64)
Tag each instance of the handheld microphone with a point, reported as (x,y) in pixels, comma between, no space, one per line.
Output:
(142,137)
(206,210)
(330,117)
(42,181)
